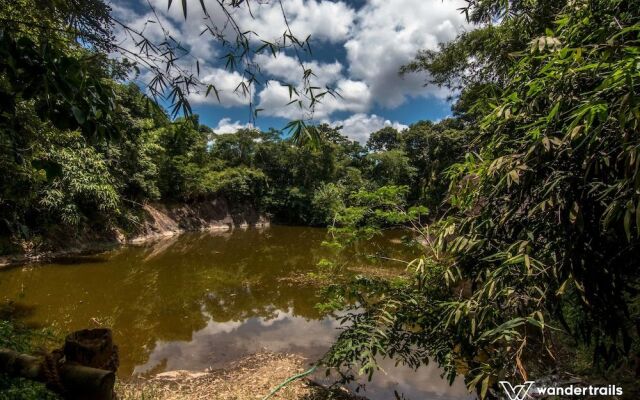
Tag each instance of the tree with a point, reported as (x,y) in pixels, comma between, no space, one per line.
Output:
(237,148)
(543,245)
(387,138)
(432,149)
(391,167)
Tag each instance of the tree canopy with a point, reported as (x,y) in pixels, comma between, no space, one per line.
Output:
(539,244)
(526,203)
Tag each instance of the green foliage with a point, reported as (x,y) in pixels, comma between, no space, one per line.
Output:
(66,83)
(82,183)
(543,238)
(417,157)
(553,198)
(238,148)
(432,149)
(60,173)
(58,107)
(186,169)
(23,389)
(327,200)
(298,175)
(238,184)
(479,60)
(20,340)
(387,138)
(392,167)
(132,158)
(366,213)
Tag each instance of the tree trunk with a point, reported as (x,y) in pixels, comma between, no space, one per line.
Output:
(80,382)
(83,370)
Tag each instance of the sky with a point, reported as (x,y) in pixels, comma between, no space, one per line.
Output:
(357,47)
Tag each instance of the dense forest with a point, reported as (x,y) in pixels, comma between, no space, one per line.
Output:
(533,268)
(82,150)
(66,182)
(526,200)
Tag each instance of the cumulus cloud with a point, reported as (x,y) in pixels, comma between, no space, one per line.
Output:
(171,21)
(382,37)
(274,100)
(359,126)
(388,34)
(378,38)
(288,69)
(351,95)
(323,20)
(225,125)
(226,83)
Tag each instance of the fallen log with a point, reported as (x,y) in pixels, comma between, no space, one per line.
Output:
(79,382)
(84,369)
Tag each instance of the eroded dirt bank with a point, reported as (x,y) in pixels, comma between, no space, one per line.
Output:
(167,220)
(157,221)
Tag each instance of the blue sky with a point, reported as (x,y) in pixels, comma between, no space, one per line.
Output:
(358,47)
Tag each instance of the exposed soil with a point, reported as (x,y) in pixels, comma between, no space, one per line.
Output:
(253,377)
(170,219)
(160,221)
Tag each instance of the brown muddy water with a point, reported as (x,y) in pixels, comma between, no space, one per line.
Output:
(202,300)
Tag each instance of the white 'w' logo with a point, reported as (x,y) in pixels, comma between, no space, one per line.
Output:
(517,392)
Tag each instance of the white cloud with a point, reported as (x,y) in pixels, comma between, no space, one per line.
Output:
(226,83)
(352,95)
(288,69)
(274,99)
(225,125)
(378,38)
(359,126)
(323,20)
(355,96)
(188,32)
(388,34)
(383,37)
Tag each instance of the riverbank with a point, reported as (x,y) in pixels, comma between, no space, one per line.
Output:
(162,220)
(207,301)
(158,221)
(252,377)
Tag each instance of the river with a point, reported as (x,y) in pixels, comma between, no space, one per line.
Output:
(201,300)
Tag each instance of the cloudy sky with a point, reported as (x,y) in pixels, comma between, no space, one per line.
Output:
(358,47)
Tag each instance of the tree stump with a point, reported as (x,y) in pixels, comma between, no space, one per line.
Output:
(92,348)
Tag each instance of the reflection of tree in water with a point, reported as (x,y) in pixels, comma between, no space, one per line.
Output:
(236,276)
(171,289)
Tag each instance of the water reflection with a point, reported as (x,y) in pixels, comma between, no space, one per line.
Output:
(199,301)
(220,342)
